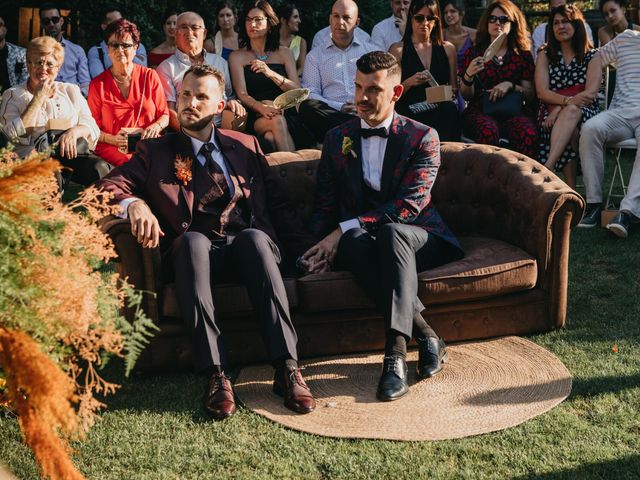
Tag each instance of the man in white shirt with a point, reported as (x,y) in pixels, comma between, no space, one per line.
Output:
(329,72)
(539,36)
(374,214)
(190,35)
(97,55)
(620,122)
(391,29)
(324,34)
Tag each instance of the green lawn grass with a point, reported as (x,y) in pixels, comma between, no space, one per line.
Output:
(155,427)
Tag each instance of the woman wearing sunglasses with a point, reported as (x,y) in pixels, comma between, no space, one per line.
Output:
(561,74)
(423,54)
(127,99)
(510,69)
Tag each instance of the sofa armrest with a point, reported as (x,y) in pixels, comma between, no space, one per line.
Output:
(493,192)
(139,266)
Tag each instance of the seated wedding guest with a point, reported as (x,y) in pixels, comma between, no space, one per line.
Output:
(261,70)
(511,69)
(126,95)
(382,227)
(561,73)
(225,38)
(460,35)
(391,29)
(330,70)
(324,34)
(98,55)
(619,122)
(75,68)
(27,108)
(542,31)
(168,47)
(289,16)
(215,226)
(423,54)
(615,14)
(190,35)
(13,64)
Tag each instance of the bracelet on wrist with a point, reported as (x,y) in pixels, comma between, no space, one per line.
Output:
(282,81)
(468,83)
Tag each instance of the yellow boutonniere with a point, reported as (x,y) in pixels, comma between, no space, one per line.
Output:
(183,169)
(347,146)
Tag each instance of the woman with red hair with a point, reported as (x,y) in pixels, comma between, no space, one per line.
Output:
(127,99)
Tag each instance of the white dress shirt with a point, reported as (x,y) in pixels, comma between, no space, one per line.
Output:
(386,33)
(330,72)
(324,34)
(217,156)
(373,150)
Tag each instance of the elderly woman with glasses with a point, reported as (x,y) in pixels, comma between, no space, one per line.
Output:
(127,99)
(27,111)
(488,83)
(424,56)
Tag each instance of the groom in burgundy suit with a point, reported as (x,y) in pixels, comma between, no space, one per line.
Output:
(204,196)
(373,210)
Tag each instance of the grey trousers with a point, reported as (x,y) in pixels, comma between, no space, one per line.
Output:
(251,259)
(608,127)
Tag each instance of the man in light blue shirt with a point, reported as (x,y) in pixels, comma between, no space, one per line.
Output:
(75,68)
(97,55)
(330,71)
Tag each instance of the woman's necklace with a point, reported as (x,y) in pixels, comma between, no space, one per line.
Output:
(125,80)
(262,58)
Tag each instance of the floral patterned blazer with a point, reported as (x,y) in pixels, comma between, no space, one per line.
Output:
(409,170)
(16,64)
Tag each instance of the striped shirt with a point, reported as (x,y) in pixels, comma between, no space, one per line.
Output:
(624,50)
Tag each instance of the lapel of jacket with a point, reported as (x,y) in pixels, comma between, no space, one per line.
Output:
(184,148)
(392,155)
(354,160)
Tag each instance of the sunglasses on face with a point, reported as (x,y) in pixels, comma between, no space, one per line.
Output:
(124,46)
(502,19)
(48,20)
(422,18)
(49,65)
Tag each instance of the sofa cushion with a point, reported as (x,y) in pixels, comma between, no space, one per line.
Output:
(490,268)
(227,298)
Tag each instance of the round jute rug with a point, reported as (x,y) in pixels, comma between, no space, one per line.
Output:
(485,386)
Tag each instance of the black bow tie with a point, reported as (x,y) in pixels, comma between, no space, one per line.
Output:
(374,132)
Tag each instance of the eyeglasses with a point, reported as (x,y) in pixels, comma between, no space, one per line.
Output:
(193,28)
(502,19)
(422,18)
(47,20)
(252,20)
(124,46)
(49,65)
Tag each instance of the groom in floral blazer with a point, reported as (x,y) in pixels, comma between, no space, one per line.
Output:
(373,210)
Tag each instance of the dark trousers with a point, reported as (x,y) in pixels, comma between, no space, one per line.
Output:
(251,259)
(387,268)
(320,117)
(84,169)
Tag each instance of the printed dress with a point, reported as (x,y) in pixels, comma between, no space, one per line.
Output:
(562,76)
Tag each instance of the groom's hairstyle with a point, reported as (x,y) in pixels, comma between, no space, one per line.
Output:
(205,71)
(374,61)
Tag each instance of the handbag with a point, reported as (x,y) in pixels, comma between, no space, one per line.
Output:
(567,92)
(48,142)
(508,106)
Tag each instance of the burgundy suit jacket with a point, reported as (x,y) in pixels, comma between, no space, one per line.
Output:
(150,175)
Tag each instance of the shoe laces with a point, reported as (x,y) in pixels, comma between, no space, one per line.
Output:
(389,364)
(295,376)
(219,381)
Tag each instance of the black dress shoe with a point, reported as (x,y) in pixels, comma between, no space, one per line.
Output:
(432,353)
(393,382)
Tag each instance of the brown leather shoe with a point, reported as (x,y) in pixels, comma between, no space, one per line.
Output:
(288,383)
(219,400)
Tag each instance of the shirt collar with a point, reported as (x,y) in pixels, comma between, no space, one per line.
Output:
(197,144)
(354,42)
(386,124)
(184,58)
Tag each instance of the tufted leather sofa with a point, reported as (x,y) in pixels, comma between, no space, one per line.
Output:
(512,216)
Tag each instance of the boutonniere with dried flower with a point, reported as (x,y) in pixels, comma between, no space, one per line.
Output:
(183,169)
(347,147)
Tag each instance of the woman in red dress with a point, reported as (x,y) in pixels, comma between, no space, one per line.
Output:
(126,98)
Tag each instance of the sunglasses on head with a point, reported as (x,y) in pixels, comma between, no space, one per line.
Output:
(502,19)
(422,18)
(48,20)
